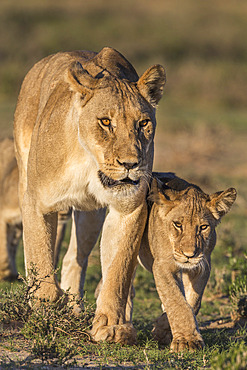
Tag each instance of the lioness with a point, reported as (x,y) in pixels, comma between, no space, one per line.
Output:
(176,247)
(84,128)
(10,214)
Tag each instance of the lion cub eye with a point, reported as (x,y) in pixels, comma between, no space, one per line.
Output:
(177,225)
(143,123)
(105,121)
(203,227)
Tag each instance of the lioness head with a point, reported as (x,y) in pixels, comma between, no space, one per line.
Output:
(116,117)
(185,218)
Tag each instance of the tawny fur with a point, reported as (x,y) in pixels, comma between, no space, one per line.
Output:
(84,128)
(176,247)
(10,214)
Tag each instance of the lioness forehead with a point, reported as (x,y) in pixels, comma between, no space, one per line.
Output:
(122,98)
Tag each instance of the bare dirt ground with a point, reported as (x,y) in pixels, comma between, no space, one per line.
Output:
(19,356)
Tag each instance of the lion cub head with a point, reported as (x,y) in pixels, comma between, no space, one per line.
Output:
(183,220)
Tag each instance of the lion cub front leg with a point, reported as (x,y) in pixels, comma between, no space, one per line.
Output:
(195,282)
(119,249)
(184,328)
(39,235)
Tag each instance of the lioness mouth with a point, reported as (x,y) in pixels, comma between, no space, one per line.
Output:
(109,182)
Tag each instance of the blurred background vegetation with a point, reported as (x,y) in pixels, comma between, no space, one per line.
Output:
(202,118)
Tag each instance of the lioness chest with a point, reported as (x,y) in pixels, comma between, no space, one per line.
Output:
(78,186)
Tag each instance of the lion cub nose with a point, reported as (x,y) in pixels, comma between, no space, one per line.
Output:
(128,165)
(189,254)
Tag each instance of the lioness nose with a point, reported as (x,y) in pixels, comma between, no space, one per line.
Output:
(128,165)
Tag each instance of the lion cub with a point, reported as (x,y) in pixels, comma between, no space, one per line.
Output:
(176,247)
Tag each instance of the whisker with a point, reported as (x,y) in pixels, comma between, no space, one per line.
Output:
(146,179)
(206,263)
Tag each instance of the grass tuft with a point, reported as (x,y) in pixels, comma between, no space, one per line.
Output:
(52,329)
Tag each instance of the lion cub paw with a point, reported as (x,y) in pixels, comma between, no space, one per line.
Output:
(162,331)
(182,344)
(124,334)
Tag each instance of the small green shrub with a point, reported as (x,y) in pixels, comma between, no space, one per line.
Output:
(238,296)
(52,328)
(14,304)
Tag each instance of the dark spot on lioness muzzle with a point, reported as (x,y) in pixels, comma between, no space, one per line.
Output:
(109,182)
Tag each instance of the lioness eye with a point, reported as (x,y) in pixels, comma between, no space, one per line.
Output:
(105,121)
(177,224)
(143,123)
(203,227)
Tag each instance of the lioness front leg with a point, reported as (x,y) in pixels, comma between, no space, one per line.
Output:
(39,239)
(131,296)
(119,249)
(185,332)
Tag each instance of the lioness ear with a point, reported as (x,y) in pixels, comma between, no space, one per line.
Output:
(80,80)
(151,84)
(220,203)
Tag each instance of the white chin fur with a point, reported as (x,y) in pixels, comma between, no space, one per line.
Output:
(190,265)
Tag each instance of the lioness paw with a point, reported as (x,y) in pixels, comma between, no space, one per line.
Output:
(124,334)
(183,344)
(45,291)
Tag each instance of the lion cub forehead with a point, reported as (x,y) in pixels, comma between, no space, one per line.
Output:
(194,203)
(187,200)
(193,199)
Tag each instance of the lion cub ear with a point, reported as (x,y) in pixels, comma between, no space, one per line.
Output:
(220,203)
(151,84)
(157,193)
(80,80)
